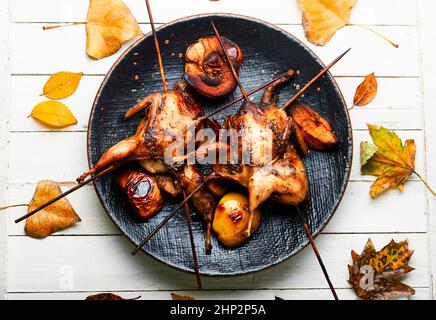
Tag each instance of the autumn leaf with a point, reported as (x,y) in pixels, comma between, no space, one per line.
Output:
(55,217)
(108,25)
(53,114)
(366,91)
(108,296)
(175,296)
(376,275)
(389,160)
(62,84)
(322,18)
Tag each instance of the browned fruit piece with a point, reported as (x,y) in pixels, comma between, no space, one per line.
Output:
(315,130)
(206,69)
(231,219)
(142,193)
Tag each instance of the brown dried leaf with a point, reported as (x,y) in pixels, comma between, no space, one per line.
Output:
(175,296)
(108,296)
(62,84)
(108,25)
(322,18)
(366,91)
(55,217)
(53,114)
(376,275)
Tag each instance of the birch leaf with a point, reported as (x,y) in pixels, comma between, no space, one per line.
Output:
(322,18)
(55,217)
(53,114)
(366,91)
(108,25)
(62,84)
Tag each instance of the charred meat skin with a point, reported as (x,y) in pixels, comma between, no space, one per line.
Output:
(280,176)
(167,116)
(206,69)
(142,193)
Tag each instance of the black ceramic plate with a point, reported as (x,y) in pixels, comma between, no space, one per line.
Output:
(268,51)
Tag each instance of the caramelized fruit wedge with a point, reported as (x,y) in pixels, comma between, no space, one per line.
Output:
(206,69)
(315,130)
(142,193)
(231,219)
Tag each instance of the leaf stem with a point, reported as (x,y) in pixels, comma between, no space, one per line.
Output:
(381,36)
(13,206)
(62,25)
(425,182)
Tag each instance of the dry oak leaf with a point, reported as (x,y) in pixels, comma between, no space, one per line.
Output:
(322,18)
(108,296)
(176,296)
(108,25)
(55,217)
(62,84)
(388,159)
(53,114)
(376,275)
(366,91)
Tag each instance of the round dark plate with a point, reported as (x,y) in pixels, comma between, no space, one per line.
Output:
(268,51)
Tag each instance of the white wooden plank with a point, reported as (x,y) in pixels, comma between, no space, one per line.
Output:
(357,213)
(4,136)
(369,52)
(393,12)
(66,151)
(396,106)
(427,29)
(392,92)
(300,294)
(394,212)
(105,264)
(343,294)
(61,49)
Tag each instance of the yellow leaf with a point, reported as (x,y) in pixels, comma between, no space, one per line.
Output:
(108,25)
(391,161)
(322,18)
(62,84)
(53,114)
(366,91)
(55,217)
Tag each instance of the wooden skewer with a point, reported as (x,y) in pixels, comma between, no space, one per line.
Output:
(95,177)
(191,238)
(319,75)
(229,62)
(156,45)
(164,83)
(306,228)
(318,256)
(167,218)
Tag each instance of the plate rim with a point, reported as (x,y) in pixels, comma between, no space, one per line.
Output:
(350,150)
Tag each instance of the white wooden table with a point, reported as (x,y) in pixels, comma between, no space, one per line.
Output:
(92,256)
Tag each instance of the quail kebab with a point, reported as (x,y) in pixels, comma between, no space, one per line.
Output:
(207,74)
